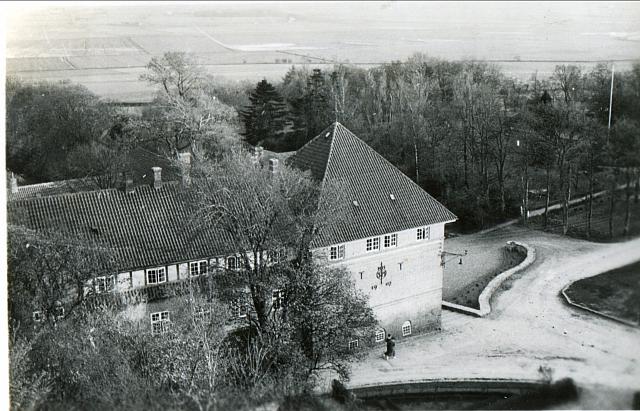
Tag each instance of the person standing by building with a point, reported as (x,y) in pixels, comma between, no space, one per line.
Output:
(391,347)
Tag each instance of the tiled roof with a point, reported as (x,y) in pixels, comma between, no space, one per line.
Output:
(53,188)
(152,227)
(146,228)
(370,180)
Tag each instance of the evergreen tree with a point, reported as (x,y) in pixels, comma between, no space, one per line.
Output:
(265,118)
(312,111)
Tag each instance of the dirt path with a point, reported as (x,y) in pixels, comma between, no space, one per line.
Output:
(530,326)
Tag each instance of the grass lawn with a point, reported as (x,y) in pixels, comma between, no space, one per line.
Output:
(615,293)
(464,282)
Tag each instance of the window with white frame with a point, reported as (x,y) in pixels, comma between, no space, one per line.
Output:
(156,275)
(390,240)
(232,263)
(104,284)
(38,316)
(423,233)
(197,268)
(241,308)
(336,252)
(380,334)
(353,344)
(277,299)
(59,312)
(203,313)
(373,244)
(160,322)
(276,256)
(406,328)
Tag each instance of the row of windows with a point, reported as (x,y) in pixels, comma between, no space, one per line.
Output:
(40,316)
(160,321)
(336,252)
(381,335)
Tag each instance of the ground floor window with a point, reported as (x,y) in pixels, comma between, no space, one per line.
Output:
(38,316)
(160,322)
(277,299)
(406,328)
(380,334)
(353,344)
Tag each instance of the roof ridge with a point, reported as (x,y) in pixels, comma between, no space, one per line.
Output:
(333,140)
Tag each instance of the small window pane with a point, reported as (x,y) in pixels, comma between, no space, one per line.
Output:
(406,328)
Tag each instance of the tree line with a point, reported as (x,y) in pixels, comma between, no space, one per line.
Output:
(473,137)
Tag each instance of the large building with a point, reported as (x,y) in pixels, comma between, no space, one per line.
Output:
(391,238)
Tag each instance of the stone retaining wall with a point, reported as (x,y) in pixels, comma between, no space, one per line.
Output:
(487,293)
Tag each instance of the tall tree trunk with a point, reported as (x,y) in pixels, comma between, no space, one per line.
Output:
(637,185)
(546,203)
(590,204)
(526,196)
(415,151)
(567,199)
(627,210)
(612,205)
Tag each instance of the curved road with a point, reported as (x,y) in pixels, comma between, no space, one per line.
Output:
(530,326)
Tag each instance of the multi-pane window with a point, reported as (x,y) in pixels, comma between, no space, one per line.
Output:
(198,267)
(380,333)
(277,299)
(59,312)
(390,240)
(406,328)
(156,275)
(276,256)
(160,322)
(105,284)
(353,344)
(232,263)
(241,309)
(422,233)
(203,313)
(373,243)
(336,252)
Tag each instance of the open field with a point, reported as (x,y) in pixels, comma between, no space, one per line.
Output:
(106,47)
(615,293)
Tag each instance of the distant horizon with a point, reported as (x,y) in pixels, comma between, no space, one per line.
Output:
(105,46)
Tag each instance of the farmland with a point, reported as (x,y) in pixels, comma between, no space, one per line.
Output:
(106,47)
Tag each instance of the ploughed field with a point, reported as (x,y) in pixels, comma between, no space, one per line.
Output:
(615,293)
(103,47)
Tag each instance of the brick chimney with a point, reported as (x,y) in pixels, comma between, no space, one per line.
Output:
(157,177)
(14,183)
(273,165)
(185,166)
(128,184)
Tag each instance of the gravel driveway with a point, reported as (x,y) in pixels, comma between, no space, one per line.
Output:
(530,326)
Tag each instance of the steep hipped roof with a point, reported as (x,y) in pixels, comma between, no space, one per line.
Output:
(146,228)
(338,155)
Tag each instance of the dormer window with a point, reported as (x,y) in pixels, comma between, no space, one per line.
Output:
(390,240)
(392,197)
(355,203)
(336,252)
(373,244)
